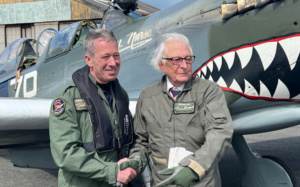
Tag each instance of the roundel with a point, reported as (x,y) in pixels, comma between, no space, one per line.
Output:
(58,106)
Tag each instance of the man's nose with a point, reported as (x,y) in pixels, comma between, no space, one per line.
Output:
(112,61)
(183,63)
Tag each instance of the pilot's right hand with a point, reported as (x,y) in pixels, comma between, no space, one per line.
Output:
(126,175)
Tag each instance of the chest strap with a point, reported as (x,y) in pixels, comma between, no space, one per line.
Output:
(102,128)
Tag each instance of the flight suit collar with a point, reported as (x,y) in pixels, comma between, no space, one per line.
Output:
(100,92)
(187,86)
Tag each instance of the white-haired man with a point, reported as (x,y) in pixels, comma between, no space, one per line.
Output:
(182,111)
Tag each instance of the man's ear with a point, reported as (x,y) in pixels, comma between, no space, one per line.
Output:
(88,60)
(161,66)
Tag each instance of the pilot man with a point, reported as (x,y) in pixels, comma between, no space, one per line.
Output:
(184,112)
(90,122)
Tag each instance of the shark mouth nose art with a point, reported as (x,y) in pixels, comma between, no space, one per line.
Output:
(267,70)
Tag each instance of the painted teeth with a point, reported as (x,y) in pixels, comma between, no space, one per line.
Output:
(218,62)
(221,82)
(266,52)
(229,57)
(264,91)
(291,48)
(282,92)
(249,89)
(235,86)
(204,69)
(245,55)
(210,66)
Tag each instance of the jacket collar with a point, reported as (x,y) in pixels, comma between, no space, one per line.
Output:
(187,86)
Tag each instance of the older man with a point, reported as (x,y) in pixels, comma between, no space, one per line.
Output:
(182,111)
(90,123)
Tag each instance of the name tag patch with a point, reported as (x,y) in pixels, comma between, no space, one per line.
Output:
(184,108)
(80,104)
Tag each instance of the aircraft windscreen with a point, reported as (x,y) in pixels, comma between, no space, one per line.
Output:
(112,20)
(44,40)
(63,39)
(135,15)
(10,52)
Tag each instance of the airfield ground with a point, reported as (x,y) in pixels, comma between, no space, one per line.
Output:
(283,144)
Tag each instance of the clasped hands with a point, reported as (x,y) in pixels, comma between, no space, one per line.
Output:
(180,176)
(129,168)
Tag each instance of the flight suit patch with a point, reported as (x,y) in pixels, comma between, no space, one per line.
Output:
(58,106)
(80,104)
(184,108)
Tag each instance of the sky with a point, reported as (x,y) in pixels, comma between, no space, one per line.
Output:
(161,4)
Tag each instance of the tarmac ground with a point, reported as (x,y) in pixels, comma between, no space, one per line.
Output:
(283,144)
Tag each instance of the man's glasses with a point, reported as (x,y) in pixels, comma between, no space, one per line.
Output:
(178,60)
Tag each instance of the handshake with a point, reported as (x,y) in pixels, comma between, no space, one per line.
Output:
(179,175)
(129,168)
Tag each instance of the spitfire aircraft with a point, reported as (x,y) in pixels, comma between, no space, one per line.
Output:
(249,47)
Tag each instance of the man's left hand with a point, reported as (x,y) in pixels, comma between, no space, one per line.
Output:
(181,176)
(138,163)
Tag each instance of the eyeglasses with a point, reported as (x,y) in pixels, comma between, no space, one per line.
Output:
(178,60)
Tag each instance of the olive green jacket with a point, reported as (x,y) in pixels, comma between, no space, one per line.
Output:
(67,133)
(207,132)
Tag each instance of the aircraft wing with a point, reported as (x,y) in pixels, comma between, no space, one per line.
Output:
(264,117)
(23,121)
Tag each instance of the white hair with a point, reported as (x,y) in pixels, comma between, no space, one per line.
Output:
(157,54)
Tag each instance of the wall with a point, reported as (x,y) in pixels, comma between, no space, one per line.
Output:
(39,27)
(36,11)
(2,38)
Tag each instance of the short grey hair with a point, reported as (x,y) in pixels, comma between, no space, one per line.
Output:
(105,35)
(158,53)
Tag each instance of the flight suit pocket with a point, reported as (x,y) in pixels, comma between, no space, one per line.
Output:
(155,130)
(195,136)
(215,113)
(151,121)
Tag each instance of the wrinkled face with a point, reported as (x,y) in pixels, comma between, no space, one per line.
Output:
(177,74)
(105,65)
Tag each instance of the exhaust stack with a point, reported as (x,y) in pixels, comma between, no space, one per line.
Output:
(245,5)
(229,10)
(260,3)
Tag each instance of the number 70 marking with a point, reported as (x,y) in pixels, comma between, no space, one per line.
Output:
(31,93)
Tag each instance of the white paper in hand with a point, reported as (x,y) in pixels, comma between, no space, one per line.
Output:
(176,155)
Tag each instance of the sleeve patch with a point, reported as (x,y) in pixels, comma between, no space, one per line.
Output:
(58,106)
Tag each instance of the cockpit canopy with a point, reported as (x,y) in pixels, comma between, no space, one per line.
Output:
(11,51)
(69,37)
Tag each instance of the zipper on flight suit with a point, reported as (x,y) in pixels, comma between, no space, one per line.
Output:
(172,112)
(174,101)
(94,135)
(119,138)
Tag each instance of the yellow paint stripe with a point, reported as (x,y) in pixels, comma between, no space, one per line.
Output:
(197,168)
(16,1)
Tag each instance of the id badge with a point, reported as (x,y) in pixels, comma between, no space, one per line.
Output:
(184,108)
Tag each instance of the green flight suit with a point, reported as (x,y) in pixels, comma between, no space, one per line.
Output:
(206,132)
(78,168)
